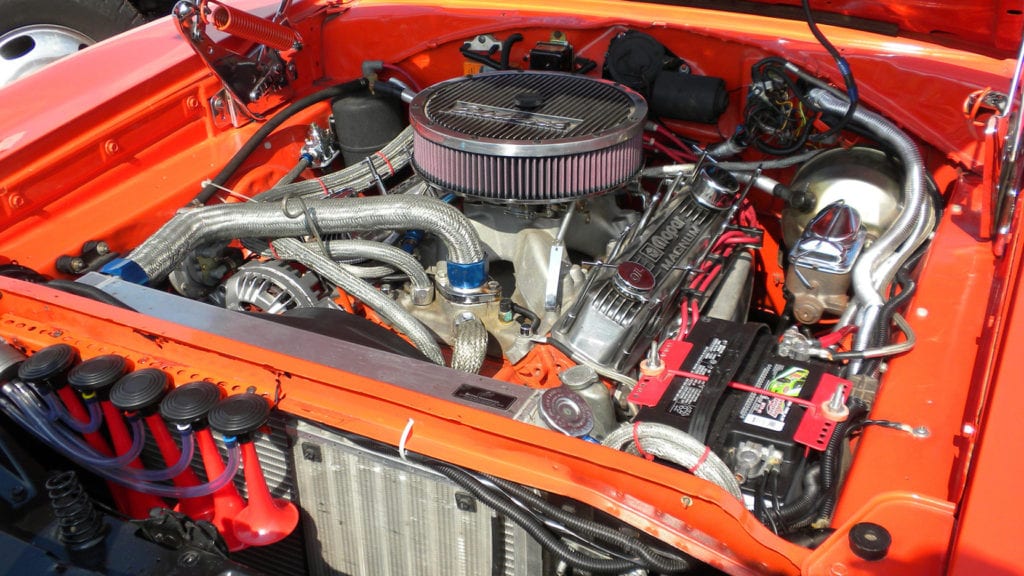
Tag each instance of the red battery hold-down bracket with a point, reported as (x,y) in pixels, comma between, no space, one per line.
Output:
(815,428)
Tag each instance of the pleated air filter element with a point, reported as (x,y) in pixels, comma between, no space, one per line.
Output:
(527,137)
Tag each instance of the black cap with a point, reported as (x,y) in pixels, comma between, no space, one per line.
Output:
(870,541)
(190,403)
(98,374)
(48,368)
(240,415)
(140,391)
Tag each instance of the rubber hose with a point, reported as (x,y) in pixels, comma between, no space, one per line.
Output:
(293,174)
(292,249)
(192,228)
(58,410)
(830,463)
(395,156)
(792,516)
(676,446)
(338,91)
(87,291)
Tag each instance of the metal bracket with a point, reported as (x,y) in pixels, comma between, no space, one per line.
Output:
(1011,169)
(225,111)
(255,80)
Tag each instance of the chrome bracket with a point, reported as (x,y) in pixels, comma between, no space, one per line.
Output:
(256,80)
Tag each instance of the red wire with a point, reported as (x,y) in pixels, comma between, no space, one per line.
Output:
(833,338)
(664,131)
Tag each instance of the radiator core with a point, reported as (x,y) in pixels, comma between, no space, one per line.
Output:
(371,514)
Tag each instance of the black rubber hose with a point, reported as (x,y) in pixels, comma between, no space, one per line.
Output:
(883,329)
(506,49)
(19,272)
(346,89)
(87,291)
(531,525)
(831,462)
(595,530)
(844,69)
(293,174)
(481,59)
(533,318)
(800,512)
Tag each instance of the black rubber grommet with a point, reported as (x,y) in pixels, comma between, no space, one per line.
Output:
(140,391)
(190,403)
(870,541)
(98,374)
(49,367)
(240,415)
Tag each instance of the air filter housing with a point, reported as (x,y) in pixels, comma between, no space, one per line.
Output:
(527,137)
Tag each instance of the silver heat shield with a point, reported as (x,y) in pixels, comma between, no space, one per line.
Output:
(631,300)
(527,137)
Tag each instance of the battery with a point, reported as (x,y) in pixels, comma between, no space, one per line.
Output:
(699,393)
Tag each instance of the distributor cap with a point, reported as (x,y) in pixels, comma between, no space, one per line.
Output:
(140,391)
(190,403)
(98,374)
(48,368)
(239,415)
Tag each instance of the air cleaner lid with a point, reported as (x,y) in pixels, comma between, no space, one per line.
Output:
(532,113)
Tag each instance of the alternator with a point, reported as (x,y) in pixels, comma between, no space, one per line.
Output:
(273,287)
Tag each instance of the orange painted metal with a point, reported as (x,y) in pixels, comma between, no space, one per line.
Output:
(930,386)
(988,532)
(921,529)
(135,146)
(680,509)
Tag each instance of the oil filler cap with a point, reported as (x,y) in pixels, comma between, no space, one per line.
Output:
(140,391)
(870,541)
(97,374)
(239,415)
(48,368)
(190,403)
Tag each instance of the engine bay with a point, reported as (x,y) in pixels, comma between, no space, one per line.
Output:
(688,244)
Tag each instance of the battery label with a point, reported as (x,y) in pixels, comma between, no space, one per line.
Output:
(690,388)
(768,412)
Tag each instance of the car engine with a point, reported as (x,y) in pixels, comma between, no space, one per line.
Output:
(568,241)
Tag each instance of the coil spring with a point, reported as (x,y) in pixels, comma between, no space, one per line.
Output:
(80,526)
(253,28)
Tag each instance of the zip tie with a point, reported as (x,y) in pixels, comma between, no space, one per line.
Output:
(386,161)
(320,181)
(229,191)
(405,438)
(700,461)
(636,442)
